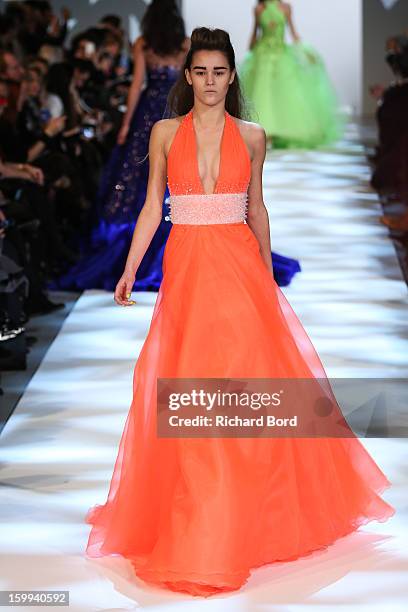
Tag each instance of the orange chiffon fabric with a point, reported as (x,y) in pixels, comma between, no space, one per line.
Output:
(197,514)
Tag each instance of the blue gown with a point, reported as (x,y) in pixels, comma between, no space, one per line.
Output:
(120,198)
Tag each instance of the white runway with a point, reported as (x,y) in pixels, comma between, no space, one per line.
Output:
(58,448)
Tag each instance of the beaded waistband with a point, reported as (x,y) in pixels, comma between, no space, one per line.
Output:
(205,209)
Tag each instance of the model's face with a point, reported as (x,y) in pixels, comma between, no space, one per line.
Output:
(210,76)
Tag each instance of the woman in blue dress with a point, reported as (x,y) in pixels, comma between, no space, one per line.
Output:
(158,55)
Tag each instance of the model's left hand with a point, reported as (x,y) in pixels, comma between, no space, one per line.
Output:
(123,290)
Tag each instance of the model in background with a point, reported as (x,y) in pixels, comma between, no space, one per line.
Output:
(288,85)
(158,55)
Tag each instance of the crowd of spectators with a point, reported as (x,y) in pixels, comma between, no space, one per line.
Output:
(61,106)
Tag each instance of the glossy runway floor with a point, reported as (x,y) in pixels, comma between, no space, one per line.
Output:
(60,444)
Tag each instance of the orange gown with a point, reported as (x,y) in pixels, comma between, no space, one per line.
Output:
(196,515)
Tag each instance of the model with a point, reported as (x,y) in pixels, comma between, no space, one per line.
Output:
(287,84)
(196,514)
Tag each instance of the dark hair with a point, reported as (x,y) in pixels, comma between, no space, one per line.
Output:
(113,20)
(83,65)
(17,12)
(42,6)
(95,35)
(7,23)
(37,71)
(398,58)
(162,27)
(57,82)
(181,96)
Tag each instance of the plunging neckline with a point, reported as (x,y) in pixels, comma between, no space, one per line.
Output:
(276,3)
(220,165)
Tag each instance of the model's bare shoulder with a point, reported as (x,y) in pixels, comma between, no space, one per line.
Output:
(286,8)
(256,131)
(138,44)
(253,135)
(165,131)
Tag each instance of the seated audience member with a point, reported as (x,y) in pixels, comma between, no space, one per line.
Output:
(390,176)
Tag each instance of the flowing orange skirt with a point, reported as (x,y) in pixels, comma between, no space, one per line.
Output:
(197,514)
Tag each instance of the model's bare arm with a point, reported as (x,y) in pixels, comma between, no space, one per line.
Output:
(257,13)
(258,219)
(139,69)
(289,16)
(150,215)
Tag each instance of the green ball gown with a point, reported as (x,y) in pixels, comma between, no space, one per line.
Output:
(287,87)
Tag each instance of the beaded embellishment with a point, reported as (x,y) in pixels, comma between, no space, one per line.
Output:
(206,209)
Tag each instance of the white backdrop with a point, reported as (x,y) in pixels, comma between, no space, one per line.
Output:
(333,27)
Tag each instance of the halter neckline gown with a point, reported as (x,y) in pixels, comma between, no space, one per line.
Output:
(288,87)
(196,515)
